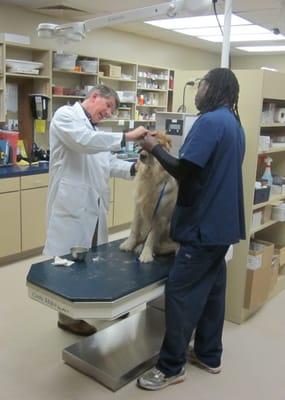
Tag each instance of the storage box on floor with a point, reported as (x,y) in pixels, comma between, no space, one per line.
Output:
(259,274)
(279,250)
(275,268)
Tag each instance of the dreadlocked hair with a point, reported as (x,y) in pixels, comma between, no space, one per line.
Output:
(223,89)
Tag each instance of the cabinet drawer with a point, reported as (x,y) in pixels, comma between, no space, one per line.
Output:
(34,181)
(9,185)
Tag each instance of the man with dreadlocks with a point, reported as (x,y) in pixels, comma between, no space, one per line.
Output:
(208,218)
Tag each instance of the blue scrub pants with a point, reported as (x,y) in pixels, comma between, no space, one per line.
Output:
(194,298)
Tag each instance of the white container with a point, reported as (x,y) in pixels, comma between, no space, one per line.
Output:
(264,143)
(127,96)
(64,61)
(88,65)
(256,219)
(13,37)
(278,213)
(87,88)
(23,66)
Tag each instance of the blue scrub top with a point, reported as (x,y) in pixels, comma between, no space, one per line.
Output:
(210,206)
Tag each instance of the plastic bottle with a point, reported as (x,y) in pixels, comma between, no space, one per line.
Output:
(267,172)
(141,100)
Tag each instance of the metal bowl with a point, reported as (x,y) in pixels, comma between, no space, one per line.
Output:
(78,253)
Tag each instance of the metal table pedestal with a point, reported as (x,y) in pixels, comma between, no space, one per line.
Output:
(118,354)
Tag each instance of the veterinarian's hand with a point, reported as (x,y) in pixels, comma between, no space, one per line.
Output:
(136,134)
(148,142)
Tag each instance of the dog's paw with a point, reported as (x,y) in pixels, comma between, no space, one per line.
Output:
(146,256)
(138,249)
(127,245)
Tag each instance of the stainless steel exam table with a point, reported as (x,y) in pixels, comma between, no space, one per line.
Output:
(107,285)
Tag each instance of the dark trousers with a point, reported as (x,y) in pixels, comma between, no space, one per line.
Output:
(194,298)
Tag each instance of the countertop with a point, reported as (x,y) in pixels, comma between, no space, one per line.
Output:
(12,171)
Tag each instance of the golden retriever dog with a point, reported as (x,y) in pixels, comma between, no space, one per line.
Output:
(155,198)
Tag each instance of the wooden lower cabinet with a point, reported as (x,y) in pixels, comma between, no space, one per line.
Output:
(10,233)
(23,211)
(123,201)
(33,210)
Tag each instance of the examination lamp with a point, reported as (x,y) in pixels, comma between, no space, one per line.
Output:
(76,31)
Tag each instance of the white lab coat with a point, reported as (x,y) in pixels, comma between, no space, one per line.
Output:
(80,166)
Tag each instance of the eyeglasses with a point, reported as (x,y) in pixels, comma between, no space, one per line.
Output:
(201,81)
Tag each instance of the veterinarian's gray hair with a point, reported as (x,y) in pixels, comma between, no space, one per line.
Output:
(104,91)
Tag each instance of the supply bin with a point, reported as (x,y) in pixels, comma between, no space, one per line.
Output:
(261,195)
(12,137)
(64,61)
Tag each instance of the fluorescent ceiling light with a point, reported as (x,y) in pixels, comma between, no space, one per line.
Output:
(235,30)
(269,69)
(206,28)
(196,22)
(262,48)
(244,38)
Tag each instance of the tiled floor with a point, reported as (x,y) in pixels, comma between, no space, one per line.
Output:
(31,367)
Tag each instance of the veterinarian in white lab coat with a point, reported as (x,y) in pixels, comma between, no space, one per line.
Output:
(81,164)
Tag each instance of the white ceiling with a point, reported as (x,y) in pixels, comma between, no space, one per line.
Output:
(267,13)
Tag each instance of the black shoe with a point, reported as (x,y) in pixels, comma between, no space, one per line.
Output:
(79,327)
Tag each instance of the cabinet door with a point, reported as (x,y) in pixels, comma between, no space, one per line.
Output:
(123,201)
(10,233)
(33,208)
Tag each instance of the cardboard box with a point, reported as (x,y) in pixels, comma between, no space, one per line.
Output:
(111,70)
(259,273)
(282,270)
(280,251)
(274,272)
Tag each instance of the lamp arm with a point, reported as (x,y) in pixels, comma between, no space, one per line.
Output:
(77,30)
(169,9)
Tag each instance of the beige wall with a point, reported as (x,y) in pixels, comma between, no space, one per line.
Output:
(108,43)
(258,61)
(117,45)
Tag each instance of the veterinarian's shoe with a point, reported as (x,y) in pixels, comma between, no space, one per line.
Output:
(193,359)
(79,327)
(154,379)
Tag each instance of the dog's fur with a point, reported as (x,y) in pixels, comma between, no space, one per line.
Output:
(150,228)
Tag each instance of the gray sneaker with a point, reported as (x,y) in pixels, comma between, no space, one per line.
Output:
(193,359)
(154,379)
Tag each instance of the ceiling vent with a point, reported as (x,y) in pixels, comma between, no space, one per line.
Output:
(62,11)
(60,7)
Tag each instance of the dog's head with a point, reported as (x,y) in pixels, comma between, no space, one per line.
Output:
(164,140)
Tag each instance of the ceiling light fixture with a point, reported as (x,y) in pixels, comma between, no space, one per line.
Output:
(261,49)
